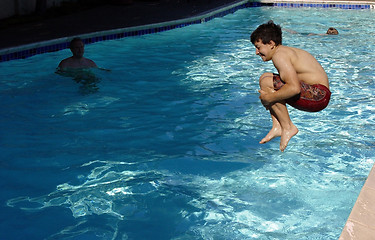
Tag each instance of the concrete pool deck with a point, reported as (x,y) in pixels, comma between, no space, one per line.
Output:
(361,222)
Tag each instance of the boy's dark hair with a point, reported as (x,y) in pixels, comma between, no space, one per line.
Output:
(267,32)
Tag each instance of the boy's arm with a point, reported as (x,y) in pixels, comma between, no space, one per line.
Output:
(288,74)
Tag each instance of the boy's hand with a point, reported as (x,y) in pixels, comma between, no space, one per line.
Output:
(265,99)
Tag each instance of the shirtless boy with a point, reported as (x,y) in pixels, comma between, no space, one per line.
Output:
(301,82)
(77,60)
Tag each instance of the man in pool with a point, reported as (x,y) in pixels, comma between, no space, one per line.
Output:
(330,31)
(77,60)
(301,82)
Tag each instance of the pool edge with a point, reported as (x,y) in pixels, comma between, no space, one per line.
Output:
(361,221)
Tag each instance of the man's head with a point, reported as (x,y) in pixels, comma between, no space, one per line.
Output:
(332,31)
(266,33)
(77,47)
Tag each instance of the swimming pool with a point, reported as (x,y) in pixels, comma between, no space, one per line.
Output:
(165,146)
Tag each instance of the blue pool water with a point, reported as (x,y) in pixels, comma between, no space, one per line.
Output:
(165,145)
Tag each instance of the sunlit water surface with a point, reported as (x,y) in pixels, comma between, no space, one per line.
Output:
(165,145)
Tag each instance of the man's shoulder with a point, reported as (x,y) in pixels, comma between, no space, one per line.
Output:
(65,62)
(90,63)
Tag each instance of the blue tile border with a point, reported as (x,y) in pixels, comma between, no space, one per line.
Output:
(322,5)
(29,50)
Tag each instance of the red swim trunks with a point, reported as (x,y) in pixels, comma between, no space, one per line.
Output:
(312,98)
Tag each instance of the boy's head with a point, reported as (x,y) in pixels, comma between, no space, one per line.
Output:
(267,32)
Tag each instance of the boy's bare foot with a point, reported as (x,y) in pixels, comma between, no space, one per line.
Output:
(274,132)
(286,135)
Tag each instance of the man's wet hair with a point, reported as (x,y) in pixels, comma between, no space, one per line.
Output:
(76,39)
(332,31)
(267,32)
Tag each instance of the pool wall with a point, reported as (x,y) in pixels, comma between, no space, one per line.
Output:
(29,50)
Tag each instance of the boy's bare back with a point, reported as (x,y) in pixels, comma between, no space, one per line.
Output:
(304,64)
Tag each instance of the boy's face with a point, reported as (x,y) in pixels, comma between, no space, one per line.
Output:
(264,50)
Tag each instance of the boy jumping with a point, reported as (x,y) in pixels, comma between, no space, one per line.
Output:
(301,82)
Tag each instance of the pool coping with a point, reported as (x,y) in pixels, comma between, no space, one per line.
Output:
(361,221)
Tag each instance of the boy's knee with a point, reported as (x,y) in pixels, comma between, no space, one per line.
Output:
(266,80)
